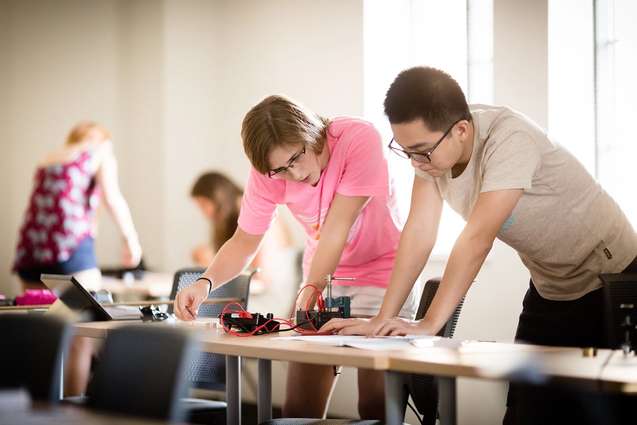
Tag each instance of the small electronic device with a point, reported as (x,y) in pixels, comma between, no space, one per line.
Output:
(252,323)
(151,313)
(315,319)
(334,308)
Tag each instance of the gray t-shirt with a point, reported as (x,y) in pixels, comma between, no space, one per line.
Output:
(565,227)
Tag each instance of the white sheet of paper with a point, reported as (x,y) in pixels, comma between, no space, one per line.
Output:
(361,342)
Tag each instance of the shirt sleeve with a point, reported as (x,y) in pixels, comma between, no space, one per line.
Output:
(510,163)
(259,202)
(365,167)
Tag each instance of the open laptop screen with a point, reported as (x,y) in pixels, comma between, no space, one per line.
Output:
(75,297)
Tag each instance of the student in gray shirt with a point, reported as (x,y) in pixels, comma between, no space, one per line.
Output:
(503,175)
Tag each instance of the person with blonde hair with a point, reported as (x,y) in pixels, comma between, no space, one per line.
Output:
(59,227)
(332,175)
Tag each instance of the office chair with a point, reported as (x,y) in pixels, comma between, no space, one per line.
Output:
(620,310)
(423,388)
(208,371)
(142,372)
(32,353)
(620,299)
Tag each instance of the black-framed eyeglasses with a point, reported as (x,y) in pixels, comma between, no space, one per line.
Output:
(278,172)
(420,156)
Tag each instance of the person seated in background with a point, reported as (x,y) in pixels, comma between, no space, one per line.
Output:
(219,200)
(59,227)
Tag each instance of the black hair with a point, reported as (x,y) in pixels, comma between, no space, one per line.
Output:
(426,93)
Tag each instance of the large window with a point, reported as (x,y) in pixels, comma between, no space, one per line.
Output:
(571,78)
(454,35)
(616,68)
(593,92)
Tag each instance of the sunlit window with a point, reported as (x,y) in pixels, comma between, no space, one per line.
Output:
(571,78)
(400,34)
(593,91)
(616,47)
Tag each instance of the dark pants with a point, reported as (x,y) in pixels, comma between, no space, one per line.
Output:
(576,323)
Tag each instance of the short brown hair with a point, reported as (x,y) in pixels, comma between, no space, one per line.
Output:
(278,121)
(426,93)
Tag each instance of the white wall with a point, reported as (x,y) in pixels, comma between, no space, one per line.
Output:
(223,57)
(190,121)
(62,64)
(142,142)
(172,80)
(521,56)
(7,227)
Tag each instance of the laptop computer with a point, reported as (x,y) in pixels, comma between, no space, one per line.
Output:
(75,297)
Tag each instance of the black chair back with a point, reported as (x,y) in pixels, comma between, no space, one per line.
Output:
(32,352)
(620,310)
(428,293)
(142,372)
(208,371)
(424,388)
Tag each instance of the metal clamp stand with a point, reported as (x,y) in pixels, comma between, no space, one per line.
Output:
(329,278)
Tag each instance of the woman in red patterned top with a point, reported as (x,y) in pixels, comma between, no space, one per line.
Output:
(57,235)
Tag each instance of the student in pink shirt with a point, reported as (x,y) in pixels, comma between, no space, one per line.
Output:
(332,175)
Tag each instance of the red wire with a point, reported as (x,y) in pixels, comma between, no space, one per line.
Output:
(320,304)
(256,330)
(319,301)
(319,298)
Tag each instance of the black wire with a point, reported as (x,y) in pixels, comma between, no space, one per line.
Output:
(265,330)
(289,329)
(413,409)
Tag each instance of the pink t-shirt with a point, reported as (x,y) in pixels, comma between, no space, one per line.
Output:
(356,167)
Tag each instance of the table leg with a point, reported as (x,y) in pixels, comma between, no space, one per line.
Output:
(394,398)
(233,390)
(61,389)
(447,400)
(264,396)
